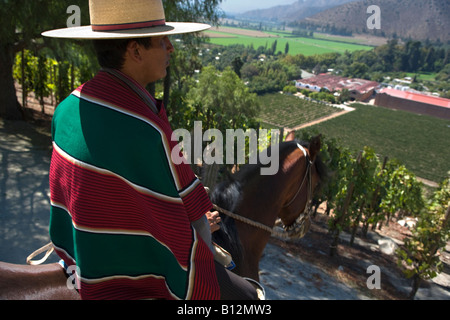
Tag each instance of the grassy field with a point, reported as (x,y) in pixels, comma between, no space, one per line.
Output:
(427,76)
(419,142)
(279,110)
(297,45)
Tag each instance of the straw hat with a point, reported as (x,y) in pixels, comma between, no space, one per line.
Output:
(121,19)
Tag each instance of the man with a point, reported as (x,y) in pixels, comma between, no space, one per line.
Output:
(131,221)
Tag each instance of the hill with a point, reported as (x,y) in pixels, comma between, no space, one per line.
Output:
(406,19)
(293,12)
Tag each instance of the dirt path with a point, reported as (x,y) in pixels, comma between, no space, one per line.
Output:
(320,120)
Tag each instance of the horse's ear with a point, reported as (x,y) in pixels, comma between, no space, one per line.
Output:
(290,136)
(314,146)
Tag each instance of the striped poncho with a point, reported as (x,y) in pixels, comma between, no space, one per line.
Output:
(121,211)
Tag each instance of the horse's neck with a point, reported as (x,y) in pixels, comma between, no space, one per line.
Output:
(264,196)
(262,199)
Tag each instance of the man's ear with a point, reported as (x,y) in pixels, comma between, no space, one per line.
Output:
(133,51)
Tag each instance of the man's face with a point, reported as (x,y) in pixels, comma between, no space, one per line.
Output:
(156,59)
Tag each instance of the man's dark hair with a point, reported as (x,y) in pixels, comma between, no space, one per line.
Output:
(111,52)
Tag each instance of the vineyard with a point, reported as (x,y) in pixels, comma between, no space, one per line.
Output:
(364,192)
(289,111)
(419,142)
(49,78)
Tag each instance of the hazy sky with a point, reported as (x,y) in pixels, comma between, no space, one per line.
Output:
(238,6)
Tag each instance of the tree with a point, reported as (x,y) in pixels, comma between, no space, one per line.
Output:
(222,101)
(237,65)
(286,48)
(22,24)
(274,47)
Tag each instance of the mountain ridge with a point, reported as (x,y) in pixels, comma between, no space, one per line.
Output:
(405,19)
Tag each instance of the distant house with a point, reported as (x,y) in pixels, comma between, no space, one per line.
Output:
(413,102)
(360,89)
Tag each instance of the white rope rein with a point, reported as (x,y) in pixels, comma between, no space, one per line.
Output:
(273,231)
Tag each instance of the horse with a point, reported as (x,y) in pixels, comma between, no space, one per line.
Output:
(261,199)
(35,282)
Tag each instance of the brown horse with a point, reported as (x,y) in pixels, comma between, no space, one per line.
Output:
(260,198)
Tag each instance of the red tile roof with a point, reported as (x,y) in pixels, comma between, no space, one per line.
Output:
(437,101)
(334,83)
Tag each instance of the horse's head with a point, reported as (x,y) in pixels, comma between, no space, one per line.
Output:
(304,176)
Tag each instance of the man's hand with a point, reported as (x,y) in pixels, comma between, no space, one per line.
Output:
(213,219)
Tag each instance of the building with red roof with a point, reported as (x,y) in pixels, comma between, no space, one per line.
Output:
(413,102)
(359,89)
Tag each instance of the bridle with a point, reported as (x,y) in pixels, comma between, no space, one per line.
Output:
(303,222)
(301,225)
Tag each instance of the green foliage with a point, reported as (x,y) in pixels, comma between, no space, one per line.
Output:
(419,257)
(221,100)
(23,21)
(403,192)
(290,89)
(268,76)
(45,76)
(356,188)
(323,96)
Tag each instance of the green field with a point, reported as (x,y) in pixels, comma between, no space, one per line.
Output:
(427,76)
(420,142)
(297,45)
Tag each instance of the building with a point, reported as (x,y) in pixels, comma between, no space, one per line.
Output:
(413,102)
(359,89)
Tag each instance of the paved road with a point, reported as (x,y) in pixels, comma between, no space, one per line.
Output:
(24,198)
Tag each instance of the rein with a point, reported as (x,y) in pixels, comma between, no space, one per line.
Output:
(298,227)
(273,231)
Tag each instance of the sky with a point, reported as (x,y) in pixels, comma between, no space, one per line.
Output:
(238,6)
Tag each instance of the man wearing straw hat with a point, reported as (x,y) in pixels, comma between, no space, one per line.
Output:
(121,211)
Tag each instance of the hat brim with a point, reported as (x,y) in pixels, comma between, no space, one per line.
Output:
(86,32)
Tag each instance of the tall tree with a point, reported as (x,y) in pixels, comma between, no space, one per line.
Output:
(21,27)
(222,100)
